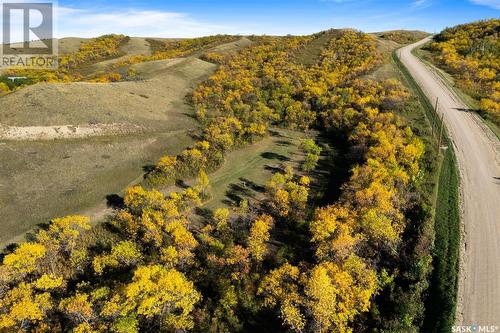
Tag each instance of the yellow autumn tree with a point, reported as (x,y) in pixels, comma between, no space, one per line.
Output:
(288,195)
(259,236)
(25,259)
(157,291)
(23,306)
(281,288)
(78,307)
(123,254)
(333,233)
(182,239)
(336,294)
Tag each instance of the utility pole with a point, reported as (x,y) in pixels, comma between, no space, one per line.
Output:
(435,115)
(441,132)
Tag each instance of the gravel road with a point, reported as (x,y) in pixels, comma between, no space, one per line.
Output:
(478,154)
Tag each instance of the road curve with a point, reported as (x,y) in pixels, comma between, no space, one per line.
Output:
(478,155)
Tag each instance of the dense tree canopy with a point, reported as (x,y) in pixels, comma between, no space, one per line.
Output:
(157,266)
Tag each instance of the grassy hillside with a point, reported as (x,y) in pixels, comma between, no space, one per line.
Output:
(78,173)
(152,102)
(47,179)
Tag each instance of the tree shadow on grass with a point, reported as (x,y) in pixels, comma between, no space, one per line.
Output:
(232,199)
(240,190)
(7,250)
(273,156)
(237,192)
(273,169)
(252,185)
(283,143)
(203,212)
(115,201)
(148,168)
(180,183)
(190,115)
(276,134)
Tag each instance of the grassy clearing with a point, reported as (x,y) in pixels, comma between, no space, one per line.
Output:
(246,170)
(309,55)
(228,48)
(441,302)
(387,69)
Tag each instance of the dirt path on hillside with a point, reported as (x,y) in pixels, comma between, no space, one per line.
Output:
(478,155)
(31,133)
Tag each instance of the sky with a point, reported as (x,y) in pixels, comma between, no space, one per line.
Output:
(191,18)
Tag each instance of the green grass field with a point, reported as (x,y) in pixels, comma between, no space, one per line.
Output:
(247,170)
